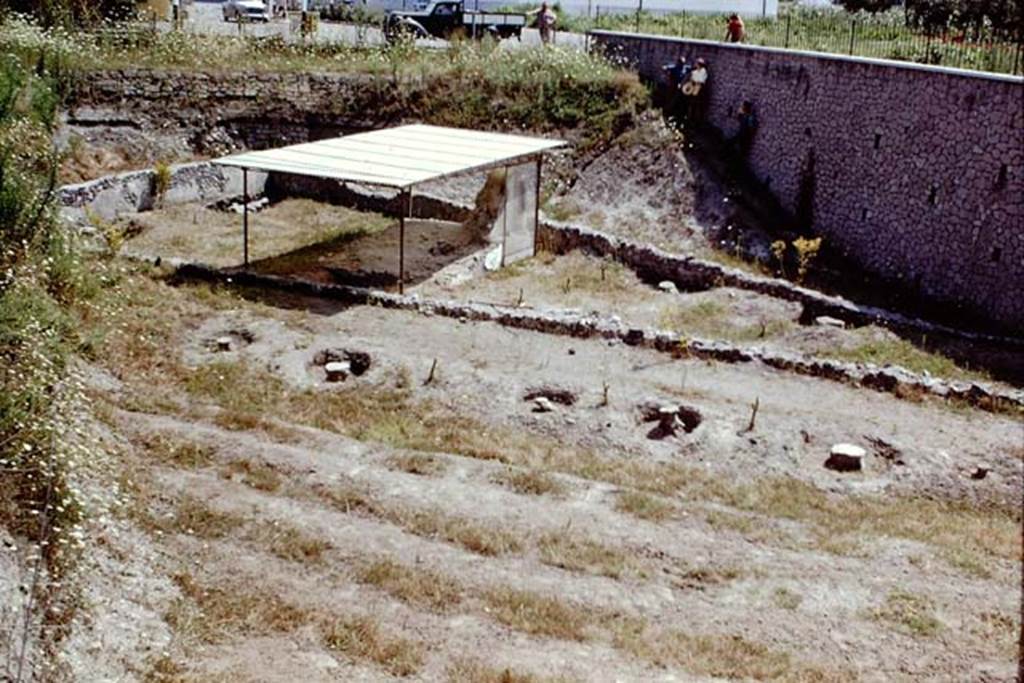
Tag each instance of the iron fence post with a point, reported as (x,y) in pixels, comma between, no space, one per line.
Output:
(853,33)
(787,30)
(639,9)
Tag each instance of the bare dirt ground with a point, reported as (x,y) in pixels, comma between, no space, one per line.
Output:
(429,524)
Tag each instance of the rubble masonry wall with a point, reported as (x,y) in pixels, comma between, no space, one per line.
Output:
(916,173)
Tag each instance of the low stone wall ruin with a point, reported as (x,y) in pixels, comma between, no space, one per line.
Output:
(886,379)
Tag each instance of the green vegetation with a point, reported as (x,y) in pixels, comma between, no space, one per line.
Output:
(43,290)
(910,613)
(471,84)
(895,351)
(884,35)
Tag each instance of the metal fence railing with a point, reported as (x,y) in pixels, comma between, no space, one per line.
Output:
(884,36)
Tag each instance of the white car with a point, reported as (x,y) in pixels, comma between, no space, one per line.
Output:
(245,10)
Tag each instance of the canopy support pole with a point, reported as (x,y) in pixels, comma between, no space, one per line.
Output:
(245,217)
(536,207)
(406,210)
(504,220)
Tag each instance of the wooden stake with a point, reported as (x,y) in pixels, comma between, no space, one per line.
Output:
(753,414)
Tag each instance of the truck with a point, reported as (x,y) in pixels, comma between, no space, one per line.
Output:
(449,19)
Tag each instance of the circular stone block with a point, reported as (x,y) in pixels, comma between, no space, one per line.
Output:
(845,457)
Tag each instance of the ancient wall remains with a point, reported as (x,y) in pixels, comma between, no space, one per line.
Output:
(916,173)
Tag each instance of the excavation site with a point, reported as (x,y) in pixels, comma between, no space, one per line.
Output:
(475,362)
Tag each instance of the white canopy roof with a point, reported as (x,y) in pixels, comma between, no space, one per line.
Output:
(396,157)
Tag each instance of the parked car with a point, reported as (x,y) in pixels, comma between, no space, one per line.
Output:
(245,10)
(448,19)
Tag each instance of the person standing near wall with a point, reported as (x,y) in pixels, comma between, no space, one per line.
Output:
(735,31)
(676,74)
(546,20)
(692,89)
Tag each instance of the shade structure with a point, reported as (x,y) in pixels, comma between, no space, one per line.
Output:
(401,158)
(398,157)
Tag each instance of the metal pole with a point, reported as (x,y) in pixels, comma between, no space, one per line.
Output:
(787,30)
(245,217)
(853,33)
(536,206)
(639,9)
(504,220)
(406,210)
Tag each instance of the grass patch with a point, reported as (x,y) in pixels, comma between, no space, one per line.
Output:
(714,320)
(290,543)
(177,452)
(195,517)
(726,656)
(909,613)
(563,550)
(784,598)
(258,475)
(475,537)
(644,506)
(210,614)
(538,614)
(531,482)
(464,670)
(990,531)
(970,563)
(416,586)
(478,538)
(880,348)
(422,464)
(363,639)
(700,578)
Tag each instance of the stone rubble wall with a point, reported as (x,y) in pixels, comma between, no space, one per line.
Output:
(886,379)
(916,173)
(110,196)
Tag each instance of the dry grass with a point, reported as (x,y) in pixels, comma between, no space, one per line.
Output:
(247,422)
(531,482)
(912,614)
(466,670)
(724,656)
(711,319)
(786,599)
(700,578)
(644,506)
(210,614)
(258,475)
(563,550)
(414,585)
(180,453)
(995,531)
(213,235)
(195,517)
(422,464)
(538,614)
(483,539)
(362,638)
(970,563)
(290,543)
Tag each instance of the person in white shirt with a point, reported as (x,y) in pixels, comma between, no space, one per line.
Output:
(691,90)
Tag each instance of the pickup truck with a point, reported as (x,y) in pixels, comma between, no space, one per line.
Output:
(449,19)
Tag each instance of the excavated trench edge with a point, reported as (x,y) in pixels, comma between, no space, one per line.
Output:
(894,380)
(650,264)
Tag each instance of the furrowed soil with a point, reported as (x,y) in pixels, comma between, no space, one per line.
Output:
(422,520)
